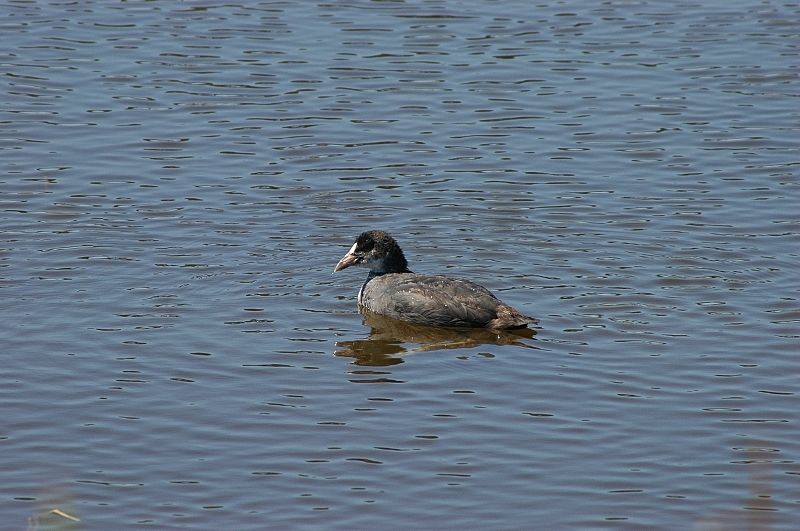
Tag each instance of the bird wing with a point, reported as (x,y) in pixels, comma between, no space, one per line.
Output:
(431,299)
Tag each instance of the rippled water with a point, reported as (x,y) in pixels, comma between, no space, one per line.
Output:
(179,179)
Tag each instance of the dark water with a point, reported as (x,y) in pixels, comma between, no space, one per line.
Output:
(179,179)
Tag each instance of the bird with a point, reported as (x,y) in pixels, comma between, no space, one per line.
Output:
(393,290)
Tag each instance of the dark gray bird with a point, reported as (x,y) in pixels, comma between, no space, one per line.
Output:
(391,289)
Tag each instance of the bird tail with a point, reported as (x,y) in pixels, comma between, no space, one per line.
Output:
(508,317)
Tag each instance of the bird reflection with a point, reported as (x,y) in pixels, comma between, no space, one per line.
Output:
(389,339)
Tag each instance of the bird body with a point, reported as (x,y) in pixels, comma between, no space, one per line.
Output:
(393,290)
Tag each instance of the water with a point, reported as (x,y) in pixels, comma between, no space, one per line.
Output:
(179,179)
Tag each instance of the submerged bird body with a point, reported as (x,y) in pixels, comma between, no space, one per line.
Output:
(391,289)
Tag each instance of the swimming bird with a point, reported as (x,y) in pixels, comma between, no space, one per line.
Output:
(393,290)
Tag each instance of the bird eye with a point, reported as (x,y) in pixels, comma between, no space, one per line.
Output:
(365,246)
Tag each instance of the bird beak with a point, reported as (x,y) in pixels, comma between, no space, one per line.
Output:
(347,260)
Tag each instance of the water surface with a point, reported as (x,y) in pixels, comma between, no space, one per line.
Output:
(179,179)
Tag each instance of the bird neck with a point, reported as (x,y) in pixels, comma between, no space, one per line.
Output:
(393,263)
